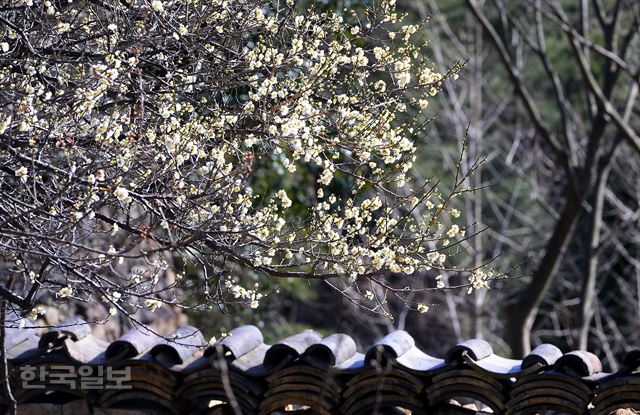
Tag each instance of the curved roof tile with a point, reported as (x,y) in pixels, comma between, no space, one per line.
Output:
(181,372)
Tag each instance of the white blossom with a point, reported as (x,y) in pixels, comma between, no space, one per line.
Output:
(157,5)
(23,174)
(65,292)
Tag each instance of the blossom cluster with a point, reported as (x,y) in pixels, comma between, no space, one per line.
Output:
(134,130)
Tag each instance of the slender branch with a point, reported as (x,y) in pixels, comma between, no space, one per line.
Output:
(525,95)
(632,137)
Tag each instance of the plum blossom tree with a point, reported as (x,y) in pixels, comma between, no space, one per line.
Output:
(131,131)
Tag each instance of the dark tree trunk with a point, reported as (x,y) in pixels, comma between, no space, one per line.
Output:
(522,313)
(4,367)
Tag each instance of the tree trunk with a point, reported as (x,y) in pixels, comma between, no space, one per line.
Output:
(589,284)
(473,154)
(4,367)
(522,313)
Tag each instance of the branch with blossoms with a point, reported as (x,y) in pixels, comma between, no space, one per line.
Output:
(133,132)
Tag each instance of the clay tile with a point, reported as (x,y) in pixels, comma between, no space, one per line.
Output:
(580,363)
(394,344)
(239,342)
(132,343)
(631,360)
(476,349)
(543,355)
(178,347)
(290,348)
(74,329)
(332,350)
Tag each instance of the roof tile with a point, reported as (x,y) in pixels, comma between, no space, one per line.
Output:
(180,372)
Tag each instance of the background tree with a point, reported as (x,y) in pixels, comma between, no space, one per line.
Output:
(549,95)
